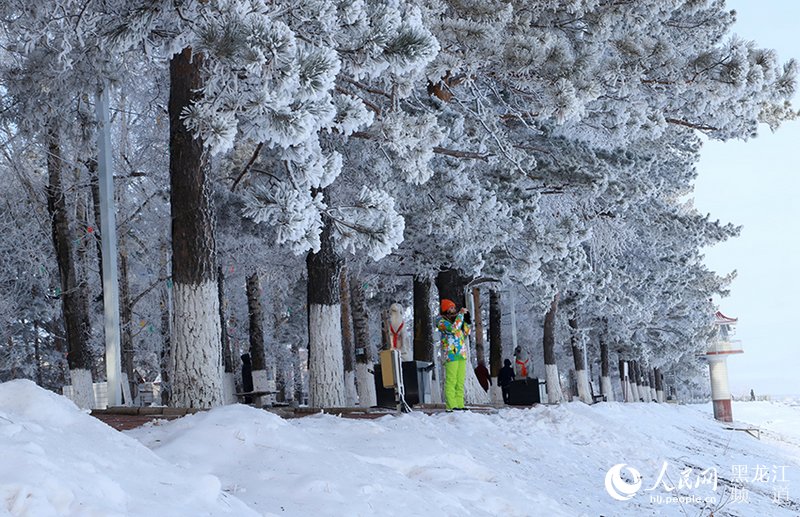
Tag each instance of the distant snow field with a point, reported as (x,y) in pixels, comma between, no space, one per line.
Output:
(609,459)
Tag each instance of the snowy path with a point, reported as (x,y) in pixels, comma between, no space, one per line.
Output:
(544,461)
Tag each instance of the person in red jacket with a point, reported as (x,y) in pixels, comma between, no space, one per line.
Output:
(483,376)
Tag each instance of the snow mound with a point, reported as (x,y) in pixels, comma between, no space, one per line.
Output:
(58,460)
(547,460)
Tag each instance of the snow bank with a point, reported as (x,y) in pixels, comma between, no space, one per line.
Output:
(543,461)
(524,462)
(57,460)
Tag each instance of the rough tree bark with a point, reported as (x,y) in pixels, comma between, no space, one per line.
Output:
(258,354)
(423,322)
(659,385)
(651,375)
(229,379)
(126,316)
(553,383)
(495,342)
(605,374)
(325,361)
(581,375)
(624,380)
(348,349)
(94,185)
(196,357)
(386,340)
(634,379)
(37,354)
(82,266)
(645,382)
(297,375)
(166,326)
(74,306)
(365,382)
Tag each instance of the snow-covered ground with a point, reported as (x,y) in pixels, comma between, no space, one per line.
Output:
(544,461)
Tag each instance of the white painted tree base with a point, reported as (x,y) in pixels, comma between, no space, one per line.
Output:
(584,390)
(495,392)
(637,397)
(229,388)
(365,386)
(261,383)
(553,383)
(660,396)
(653,395)
(196,347)
(325,361)
(350,388)
(82,389)
(608,391)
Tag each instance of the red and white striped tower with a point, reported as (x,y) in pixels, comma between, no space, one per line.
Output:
(717,356)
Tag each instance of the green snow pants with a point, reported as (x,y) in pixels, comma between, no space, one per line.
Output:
(454,373)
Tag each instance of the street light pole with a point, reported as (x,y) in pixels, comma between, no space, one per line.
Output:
(108,239)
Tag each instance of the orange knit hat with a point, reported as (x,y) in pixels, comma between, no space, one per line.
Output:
(447,305)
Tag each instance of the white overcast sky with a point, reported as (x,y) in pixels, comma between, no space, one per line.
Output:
(756,184)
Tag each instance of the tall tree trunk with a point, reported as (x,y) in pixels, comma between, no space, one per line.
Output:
(229,379)
(553,382)
(495,342)
(37,353)
(82,266)
(423,323)
(166,326)
(297,374)
(659,385)
(634,377)
(73,305)
(126,315)
(495,333)
(480,352)
(94,184)
(255,316)
(386,336)
(641,383)
(365,381)
(348,349)
(325,361)
(605,373)
(581,375)
(196,356)
(651,375)
(623,381)
(258,354)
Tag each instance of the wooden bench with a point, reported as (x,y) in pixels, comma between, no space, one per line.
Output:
(255,395)
(596,398)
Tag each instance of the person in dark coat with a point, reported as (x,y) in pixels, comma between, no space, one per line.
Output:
(483,376)
(504,378)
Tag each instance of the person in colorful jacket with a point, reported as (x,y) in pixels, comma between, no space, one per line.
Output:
(454,327)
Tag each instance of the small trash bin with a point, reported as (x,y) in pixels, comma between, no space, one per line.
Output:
(523,392)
